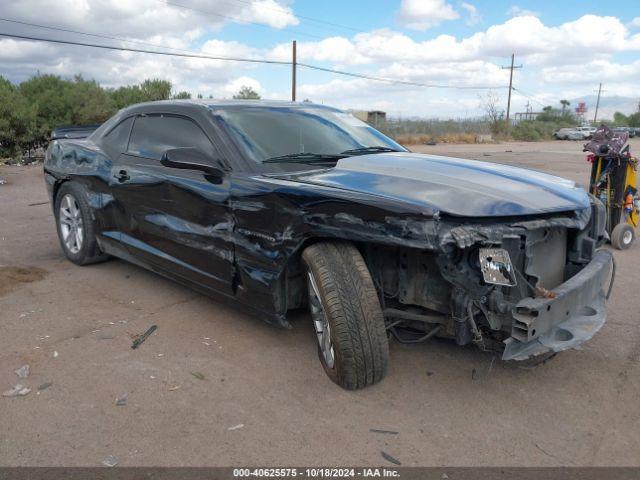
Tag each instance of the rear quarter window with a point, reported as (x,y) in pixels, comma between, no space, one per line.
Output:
(116,140)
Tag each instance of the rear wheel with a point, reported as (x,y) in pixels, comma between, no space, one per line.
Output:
(622,236)
(348,321)
(75,225)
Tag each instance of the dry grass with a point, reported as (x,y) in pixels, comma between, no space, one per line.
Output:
(446,138)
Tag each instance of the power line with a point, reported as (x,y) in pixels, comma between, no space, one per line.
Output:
(66,30)
(235,19)
(398,82)
(530,97)
(154,52)
(546,104)
(249,60)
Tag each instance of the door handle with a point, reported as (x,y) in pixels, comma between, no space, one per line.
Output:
(122,176)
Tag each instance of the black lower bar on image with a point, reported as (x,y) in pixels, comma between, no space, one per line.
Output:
(304,473)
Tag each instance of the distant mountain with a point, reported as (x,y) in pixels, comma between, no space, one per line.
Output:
(608,105)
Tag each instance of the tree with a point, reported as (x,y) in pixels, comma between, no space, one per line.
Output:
(620,119)
(493,114)
(49,95)
(127,95)
(182,96)
(17,119)
(30,111)
(89,102)
(565,104)
(634,119)
(549,114)
(57,101)
(247,93)
(147,91)
(156,89)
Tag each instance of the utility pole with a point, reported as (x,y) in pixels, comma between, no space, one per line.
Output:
(513,55)
(595,117)
(293,73)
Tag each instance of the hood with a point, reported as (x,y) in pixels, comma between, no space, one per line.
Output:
(454,186)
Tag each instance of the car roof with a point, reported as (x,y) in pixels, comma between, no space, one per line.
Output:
(217,103)
(189,105)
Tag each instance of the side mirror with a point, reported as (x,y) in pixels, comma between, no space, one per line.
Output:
(190,158)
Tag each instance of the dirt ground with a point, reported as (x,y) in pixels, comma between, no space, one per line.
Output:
(261,397)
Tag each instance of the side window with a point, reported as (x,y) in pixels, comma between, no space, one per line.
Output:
(152,135)
(116,140)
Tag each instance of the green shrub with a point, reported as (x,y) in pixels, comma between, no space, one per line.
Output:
(535,130)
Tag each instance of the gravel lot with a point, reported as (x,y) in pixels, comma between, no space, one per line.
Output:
(450,405)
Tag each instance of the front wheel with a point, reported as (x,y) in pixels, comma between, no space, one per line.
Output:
(348,321)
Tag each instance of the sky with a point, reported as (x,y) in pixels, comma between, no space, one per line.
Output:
(565,48)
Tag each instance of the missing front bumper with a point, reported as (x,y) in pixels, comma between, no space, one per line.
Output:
(576,313)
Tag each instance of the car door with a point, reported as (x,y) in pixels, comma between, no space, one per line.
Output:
(175,220)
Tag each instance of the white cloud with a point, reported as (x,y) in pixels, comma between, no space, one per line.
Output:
(333,49)
(232,87)
(593,72)
(516,11)
(269,12)
(20,60)
(474,16)
(148,21)
(635,23)
(549,72)
(558,58)
(473,73)
(531,40)
(145,18)
(360,94)
(424,14)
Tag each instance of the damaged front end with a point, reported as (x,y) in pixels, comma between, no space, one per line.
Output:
(521,287)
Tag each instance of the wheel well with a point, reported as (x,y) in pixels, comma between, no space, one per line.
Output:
(293,276)
(56,188)
(295,260)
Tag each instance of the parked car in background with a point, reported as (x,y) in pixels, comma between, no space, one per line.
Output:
(631,131)
(563,133)
(587,132)
(577,134)
(574,133)
(279,206)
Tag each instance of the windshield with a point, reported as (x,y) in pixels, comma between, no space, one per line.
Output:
(284,133)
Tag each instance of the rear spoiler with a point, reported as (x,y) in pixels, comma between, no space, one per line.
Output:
(73,131)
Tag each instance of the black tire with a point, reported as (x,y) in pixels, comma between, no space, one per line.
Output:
(351,306)
(88,252)
(622,236)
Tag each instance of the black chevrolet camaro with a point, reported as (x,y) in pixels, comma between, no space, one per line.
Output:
(280,206)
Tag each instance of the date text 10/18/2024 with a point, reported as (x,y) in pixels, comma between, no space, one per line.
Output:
(315,473)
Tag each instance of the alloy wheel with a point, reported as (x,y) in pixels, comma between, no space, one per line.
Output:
(320,322)
(71,228)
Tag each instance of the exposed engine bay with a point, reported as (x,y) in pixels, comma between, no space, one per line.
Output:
(521,288)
